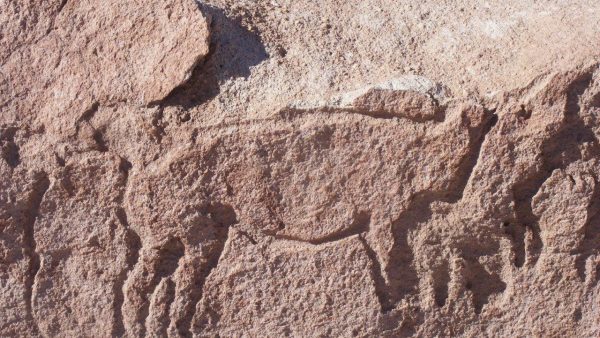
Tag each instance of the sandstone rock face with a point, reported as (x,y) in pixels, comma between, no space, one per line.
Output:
(299,168)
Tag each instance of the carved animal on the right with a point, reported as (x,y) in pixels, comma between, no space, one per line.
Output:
(527,222)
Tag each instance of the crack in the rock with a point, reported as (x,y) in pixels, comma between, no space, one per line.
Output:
(40,186)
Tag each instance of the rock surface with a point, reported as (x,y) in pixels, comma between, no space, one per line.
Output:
(299,168)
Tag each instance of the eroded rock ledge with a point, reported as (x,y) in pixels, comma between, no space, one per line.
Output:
(133,203)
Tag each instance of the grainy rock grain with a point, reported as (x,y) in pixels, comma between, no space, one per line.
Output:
(299,168)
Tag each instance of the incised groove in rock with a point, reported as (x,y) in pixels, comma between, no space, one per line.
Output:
(296,168)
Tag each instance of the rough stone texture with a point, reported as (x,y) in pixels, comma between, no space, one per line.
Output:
(299,168)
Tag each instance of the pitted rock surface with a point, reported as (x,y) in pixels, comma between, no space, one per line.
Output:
(299,168)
